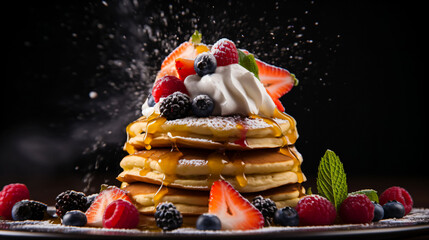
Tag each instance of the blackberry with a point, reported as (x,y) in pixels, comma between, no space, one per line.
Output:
(175,105)
(167,217)
(28,210)
(266,206)
(70,200)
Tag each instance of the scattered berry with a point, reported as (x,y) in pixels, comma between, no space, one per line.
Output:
(95,212)
(234,211)
(315,210)
(184,68)
(202,106)
(10,195)
(266,206)
(75,218)
(176,105)
(399,194)
(28,210)
(121,214)
(225,52)
(166,86)
(357,209)
(393,209)
(378,212)
(286,216)
(70,200)
(167,217)
(208,221)
(204,64)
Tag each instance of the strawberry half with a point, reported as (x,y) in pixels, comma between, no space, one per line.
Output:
(184,67)
(168,66)
(95,212)
(234,211)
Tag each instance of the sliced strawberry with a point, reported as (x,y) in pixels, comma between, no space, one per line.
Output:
(168,66)
(277,102)
(184,67)
(278,81)
(234,211)
(95,212)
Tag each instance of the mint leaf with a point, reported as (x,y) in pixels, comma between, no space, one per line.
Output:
(196,37)
(248,62)
(370,193)
(331,179)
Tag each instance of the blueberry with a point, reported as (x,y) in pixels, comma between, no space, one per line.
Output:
(75,218)
(393,209)
(286,216)
(202,106)
(150,100)
(28,210)
(208,222)
(204,64)
(378,212)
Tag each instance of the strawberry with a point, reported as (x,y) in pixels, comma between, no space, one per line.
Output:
(95,212)
(225,52)
(184,67)
(234,211)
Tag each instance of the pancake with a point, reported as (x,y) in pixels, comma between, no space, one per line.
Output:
(147,196)
(247,171)
(231,132)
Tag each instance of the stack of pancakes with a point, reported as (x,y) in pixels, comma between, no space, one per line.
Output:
(178,160)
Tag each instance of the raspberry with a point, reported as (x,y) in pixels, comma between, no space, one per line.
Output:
(357,209)
(225,52)
(166,86)
(121,214)
(10,195)
(399,194)
(315,210)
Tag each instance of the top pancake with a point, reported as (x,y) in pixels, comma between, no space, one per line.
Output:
(214,132)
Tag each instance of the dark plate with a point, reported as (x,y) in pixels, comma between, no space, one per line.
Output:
(413,225)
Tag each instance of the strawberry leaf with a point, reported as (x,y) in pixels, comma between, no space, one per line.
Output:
(248,62)
(331,179)
(196,37)
(370,193)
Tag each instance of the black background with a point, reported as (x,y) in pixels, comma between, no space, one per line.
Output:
(361,66)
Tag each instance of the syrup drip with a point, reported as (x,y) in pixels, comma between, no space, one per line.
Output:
(276,128)
(154,122)
(287,151)
(215,164)
(243,131)
(291,135)
(162,191)
(168,164)
(239,172)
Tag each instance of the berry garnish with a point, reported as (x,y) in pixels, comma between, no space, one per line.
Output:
(202,106)
(184,67)
(399,194)
(166,86)
(75,218)
(208,221)
(168,66)
(150,100)
(167,217)
(278,81)
(95,212)
(315,210)
(357,209)
(121,214)
(286,216)
(393,209)
(10,195)
(234,211)
(378,212)
(28,210)
(70,200)
(90,199)
(225,52)
(266,206)
(204,64)
(176,105)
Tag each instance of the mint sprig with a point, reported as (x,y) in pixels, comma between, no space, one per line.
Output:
(248,62)
(331,179)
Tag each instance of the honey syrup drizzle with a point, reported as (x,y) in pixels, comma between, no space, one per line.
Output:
(296,163)
(239,164)
(157,197)
(216,164)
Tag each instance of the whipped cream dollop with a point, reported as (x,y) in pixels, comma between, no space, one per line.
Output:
(234,90)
